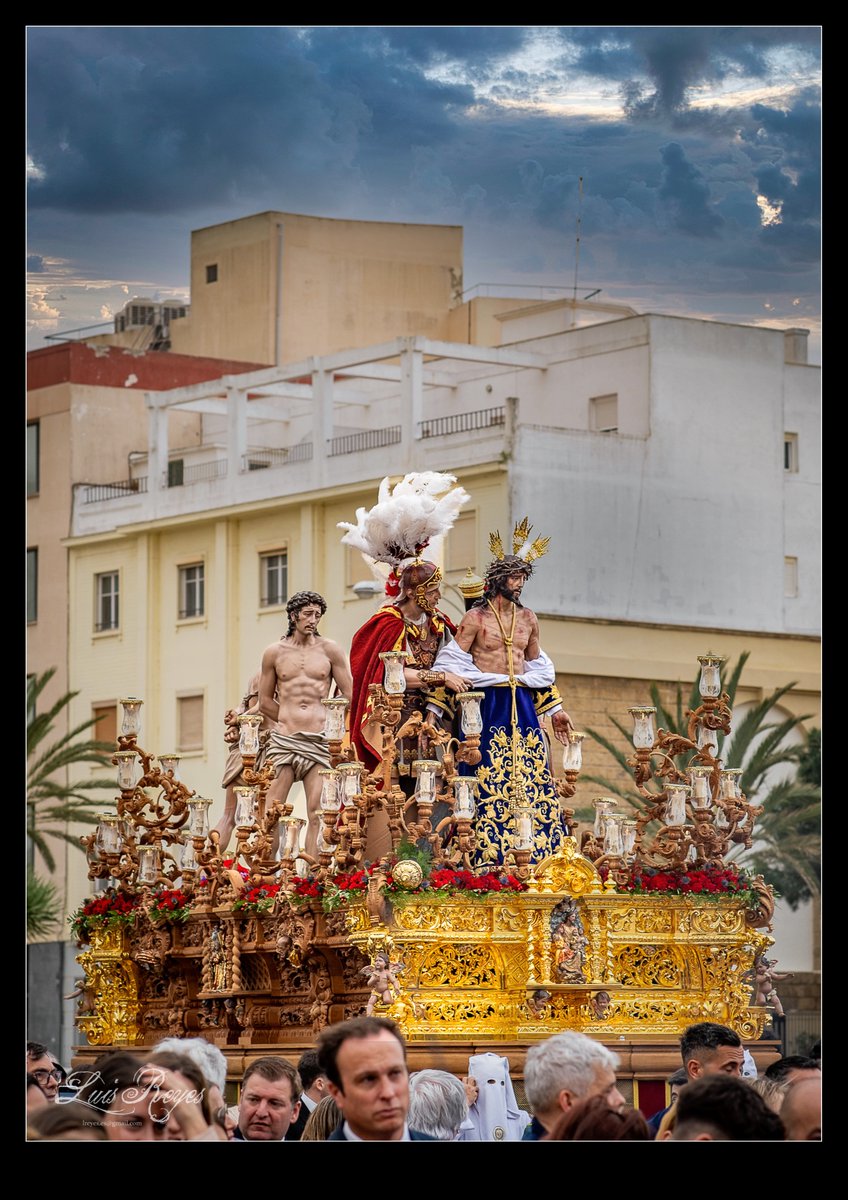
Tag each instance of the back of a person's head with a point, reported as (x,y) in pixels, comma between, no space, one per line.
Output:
(308,1068)
(771,1090)
(73,1121)
(723,1108)
(324,1118)
(790,1065)
(209,1058)
(437,1104)
(594,1121)
(801,1112)
(567,1061)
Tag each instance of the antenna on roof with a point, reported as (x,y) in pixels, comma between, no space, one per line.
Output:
(577,233)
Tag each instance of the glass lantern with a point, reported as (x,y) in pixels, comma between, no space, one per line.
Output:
(127,769)
(245,807)
(643,726)
(572,753)
(702,796)
(709,684)
(464,793)
(334,719)
(728,783)
(470,716)
(131,720)
(109,833)
(425,770)
(612,835)
(708,740)
(322,845)
(198,816)
(628,837)
(523,828)
(603,806)
(189,859)
(350,781)
(170,764)
(394,680)
(675,805)
(330,800)
(291,836)
(148,864)
(249,724)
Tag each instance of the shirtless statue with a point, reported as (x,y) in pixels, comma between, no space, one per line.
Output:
(233,770)
(497,650)
(297,674)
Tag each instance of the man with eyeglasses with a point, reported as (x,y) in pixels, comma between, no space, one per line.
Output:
(41,1065)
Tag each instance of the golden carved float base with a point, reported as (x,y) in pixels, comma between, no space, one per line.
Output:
(505,970)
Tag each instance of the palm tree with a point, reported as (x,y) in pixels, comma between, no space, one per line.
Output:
(788,843)
(52,802)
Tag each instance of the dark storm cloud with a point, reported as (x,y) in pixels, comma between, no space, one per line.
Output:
(685,193)
(674,59)
(35,264)
(157,131)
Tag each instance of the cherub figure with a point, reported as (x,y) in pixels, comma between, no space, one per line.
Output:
(765,979)
(381,977)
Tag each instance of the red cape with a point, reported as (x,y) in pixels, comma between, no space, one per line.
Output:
(386,630)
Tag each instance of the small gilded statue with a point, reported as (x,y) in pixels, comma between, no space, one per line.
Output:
(381,977)
(217,962)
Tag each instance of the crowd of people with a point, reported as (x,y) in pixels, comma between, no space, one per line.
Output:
(354,1085)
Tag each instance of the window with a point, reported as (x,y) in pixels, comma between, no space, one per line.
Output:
(189,723)
(790,452)
(33,465)
(461,550)
(32,585)
(273,578)
(790,576)
(176,472)
(106,611)
(603,413)
(212,273)
(106,718)
(192,589)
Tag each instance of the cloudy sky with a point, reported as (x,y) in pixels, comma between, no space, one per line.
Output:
(698,147)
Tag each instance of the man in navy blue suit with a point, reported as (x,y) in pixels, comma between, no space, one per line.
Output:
(365,1064)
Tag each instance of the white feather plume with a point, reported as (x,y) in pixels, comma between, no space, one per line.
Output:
(405,517)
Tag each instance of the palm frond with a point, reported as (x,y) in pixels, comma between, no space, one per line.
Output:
(52,801)
(43,906)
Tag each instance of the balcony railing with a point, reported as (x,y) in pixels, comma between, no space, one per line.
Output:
(194,473)
(94,492)
(481,418)
(257,460)
(370,439)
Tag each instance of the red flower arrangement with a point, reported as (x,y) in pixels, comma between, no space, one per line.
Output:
(171,904)
(447,883)
(257,899)
(439,886)
(109,910)
(705,881)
